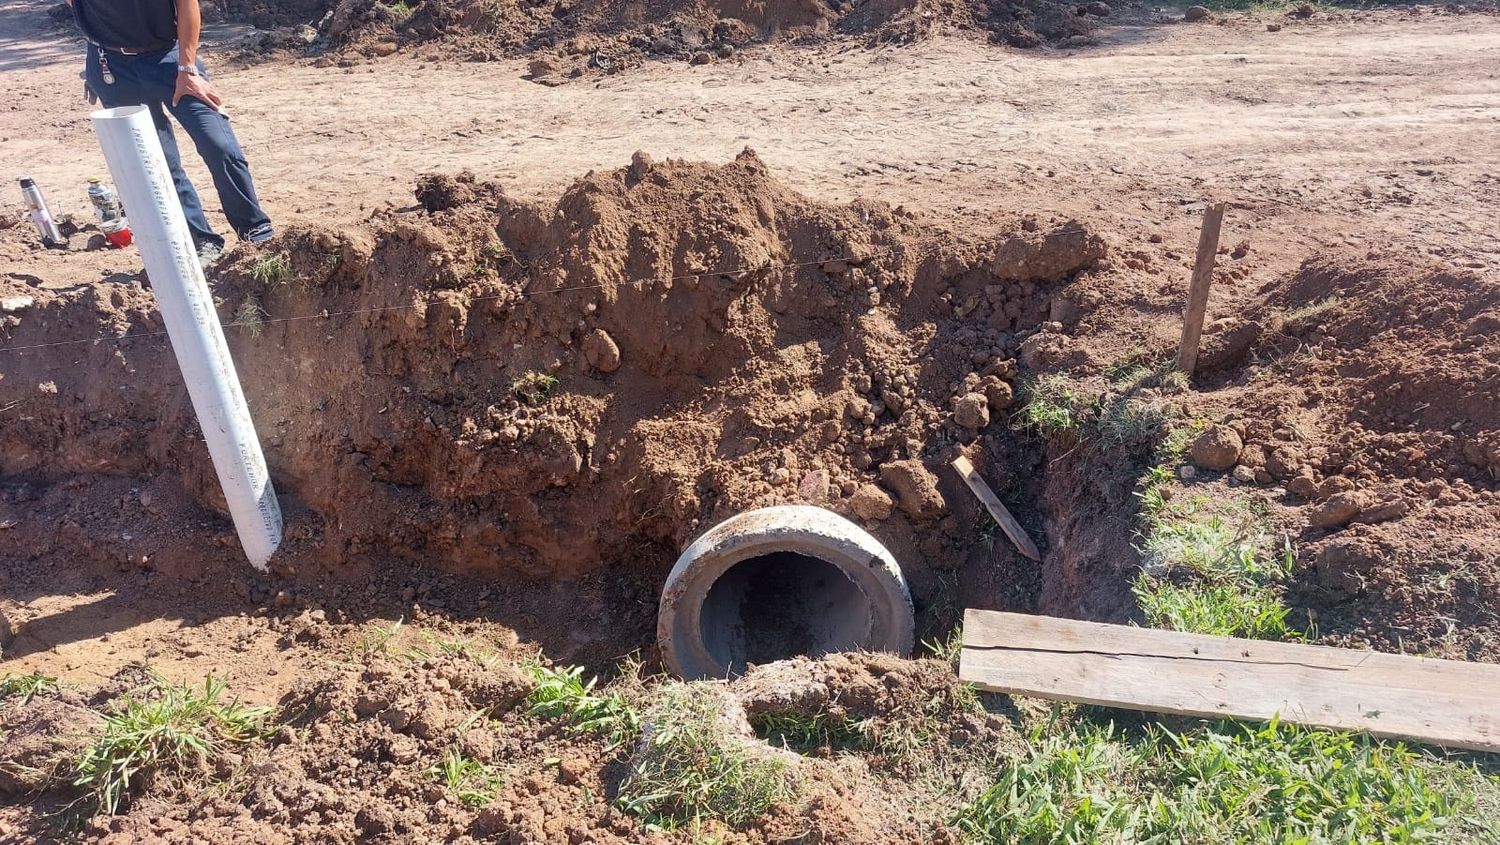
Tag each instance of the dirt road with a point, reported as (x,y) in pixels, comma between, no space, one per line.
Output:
(1373,130)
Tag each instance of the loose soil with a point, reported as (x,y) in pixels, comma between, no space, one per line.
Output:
(729,330)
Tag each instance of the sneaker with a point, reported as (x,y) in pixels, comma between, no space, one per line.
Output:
(263,232)
(208,254)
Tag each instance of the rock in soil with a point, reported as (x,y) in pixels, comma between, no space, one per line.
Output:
(1338,510)
(1196,13)
(1218,448)
(871,503)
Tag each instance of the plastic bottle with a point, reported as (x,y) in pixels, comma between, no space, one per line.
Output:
(40,216)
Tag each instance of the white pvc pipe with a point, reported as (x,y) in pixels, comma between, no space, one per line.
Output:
(133,152)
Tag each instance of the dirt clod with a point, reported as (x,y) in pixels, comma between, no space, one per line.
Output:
(43,737)
(916,488)
(601,352)
(1218,448)
(1338,510)
(972,411)
(871,503)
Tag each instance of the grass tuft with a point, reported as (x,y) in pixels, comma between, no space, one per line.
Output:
(377,639)
(470,781)
(1205,568)
(693,766)
(805,733)
(534,388)
(27,687)
(564,695)
(271,269)
(250,315)
(1054,405)
(165,728)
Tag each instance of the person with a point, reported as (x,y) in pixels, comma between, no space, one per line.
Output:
(145,53)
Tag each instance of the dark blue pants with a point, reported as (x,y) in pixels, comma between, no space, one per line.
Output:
(149,80)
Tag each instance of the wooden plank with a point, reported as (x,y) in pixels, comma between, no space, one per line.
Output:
(1443,702)
(997,509)
(1203,276)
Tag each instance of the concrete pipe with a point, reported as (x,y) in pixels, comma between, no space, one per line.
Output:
(779,582)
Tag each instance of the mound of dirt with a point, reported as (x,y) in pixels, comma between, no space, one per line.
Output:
(572,37)
(43,737)
(1376,406)
(552,390)
(391,747)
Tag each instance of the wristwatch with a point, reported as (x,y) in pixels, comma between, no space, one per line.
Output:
(190,70)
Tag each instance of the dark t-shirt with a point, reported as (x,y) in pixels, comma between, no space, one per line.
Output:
(134,25)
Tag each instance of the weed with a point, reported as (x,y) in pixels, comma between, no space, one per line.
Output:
(401,9)
(948,650)
(271,269)
(534,388)
(1141,372)
(164,729)
(694,766)
(377,640)
(563,694)
(1091,783)
(471,781)
(1230,610)
(806,733)
(27,687)
(460,647)
(1130,421)
(249,315)
(1053,405)
(1065,790)
(986,530)
(1309,311)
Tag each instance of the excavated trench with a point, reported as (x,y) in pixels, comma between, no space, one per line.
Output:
(546,392)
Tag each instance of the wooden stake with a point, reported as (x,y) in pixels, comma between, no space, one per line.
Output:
(992,503)
(1203,276)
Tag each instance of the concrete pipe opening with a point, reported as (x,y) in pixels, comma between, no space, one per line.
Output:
(779,582)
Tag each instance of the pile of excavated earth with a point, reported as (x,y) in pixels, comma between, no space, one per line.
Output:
(570,38)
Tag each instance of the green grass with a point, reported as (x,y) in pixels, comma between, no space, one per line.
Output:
(1230,610)
(271,269)
(949,649)
(163,729)
(534,388)
(564,695)
(466,647)
(1123,416)
(470,781)
(1206,568)
(27,687)
(1054,405)
(806,733)
(1227,783)
(401,9)
(693,766)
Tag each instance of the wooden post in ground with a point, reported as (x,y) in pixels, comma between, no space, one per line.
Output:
(1203,276)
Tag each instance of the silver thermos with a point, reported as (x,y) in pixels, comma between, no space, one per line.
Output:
(37,204)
